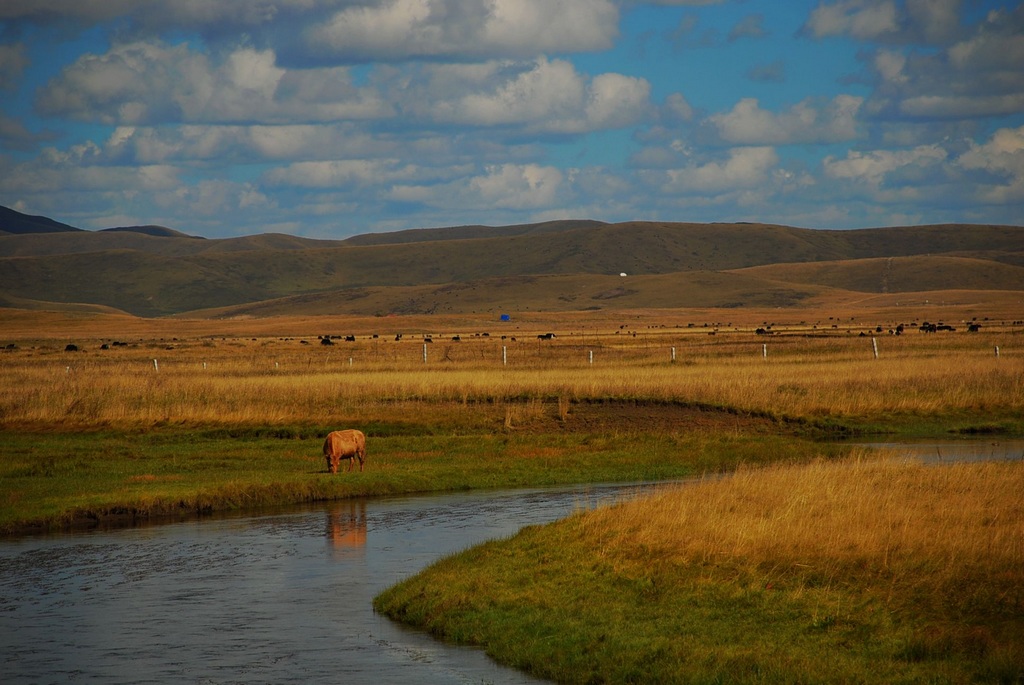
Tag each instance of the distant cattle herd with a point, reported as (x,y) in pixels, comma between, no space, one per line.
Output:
(767,329)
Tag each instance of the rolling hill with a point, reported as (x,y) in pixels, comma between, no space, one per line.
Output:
(561,265)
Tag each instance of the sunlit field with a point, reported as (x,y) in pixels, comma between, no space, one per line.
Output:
(860,570)
(797,371)
(894,572)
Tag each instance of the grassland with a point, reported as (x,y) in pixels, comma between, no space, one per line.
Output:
(828,566)
(859,570)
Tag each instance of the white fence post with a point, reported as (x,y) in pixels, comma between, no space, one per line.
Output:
(874,346)
(673,354)
(156,366)
(424,353)
(504,355)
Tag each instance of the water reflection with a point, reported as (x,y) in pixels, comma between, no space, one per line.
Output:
(949,451)
(346,528)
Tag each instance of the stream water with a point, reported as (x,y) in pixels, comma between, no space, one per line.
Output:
(278,597)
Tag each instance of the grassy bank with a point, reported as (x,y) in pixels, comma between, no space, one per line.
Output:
(859,571)
(61,480)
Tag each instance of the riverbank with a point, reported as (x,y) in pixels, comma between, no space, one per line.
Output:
(862,570)
(59,481)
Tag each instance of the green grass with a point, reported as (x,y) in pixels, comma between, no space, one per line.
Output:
(56,480)
(550,605)
(861,571)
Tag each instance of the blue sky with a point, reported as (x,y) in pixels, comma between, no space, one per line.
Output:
(328,118)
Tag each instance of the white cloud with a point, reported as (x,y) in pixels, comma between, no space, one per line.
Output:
(517,186)
(874,167)
(993,46)
(750,26)
(977,76)
(545,91)
(914,21)
(501,186)
(159,15)
(402,29)
(962,106)
(212,198)
(805,122)
(934,20)
(152,82)
(1002,156)
(337,173)
(677,108)
(542,96)
(51,174)
(745,167)
(862,19)
(614,100)
(259,143)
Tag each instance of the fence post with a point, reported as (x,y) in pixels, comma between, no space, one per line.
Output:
(764,350)
(424,353)
(156,367)
(673,354)
(997,350)
(874,346)
(504,355)
(591,356)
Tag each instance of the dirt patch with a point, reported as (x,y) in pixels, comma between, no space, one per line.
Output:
(640,416)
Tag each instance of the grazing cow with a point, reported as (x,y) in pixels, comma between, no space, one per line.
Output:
(346,444)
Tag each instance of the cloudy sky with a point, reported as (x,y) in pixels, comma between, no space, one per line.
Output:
(327,118)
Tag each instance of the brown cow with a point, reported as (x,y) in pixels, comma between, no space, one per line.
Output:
(346,444)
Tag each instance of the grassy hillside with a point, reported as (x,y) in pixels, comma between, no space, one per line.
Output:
(572,292)
(562,265)
(898,274)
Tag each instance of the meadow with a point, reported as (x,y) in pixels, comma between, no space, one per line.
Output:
(185,416)
(805,373)
(800,558)
(861,570)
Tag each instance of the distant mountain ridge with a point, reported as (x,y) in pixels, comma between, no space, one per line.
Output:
(156,231)
(14,222)
(562,265)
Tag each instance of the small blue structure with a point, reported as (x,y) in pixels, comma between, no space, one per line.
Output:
(506,317)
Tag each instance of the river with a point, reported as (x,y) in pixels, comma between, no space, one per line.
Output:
(280,597)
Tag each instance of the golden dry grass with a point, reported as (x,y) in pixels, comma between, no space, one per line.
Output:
(274,381)
(872,519)
(855,570)
(185,372)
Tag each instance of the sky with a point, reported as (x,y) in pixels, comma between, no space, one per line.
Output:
(330,118)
